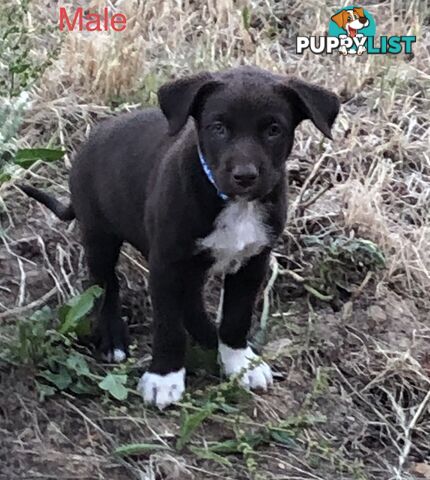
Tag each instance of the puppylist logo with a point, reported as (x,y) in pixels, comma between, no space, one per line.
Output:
(352,31)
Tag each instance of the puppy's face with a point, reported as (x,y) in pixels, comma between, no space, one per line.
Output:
(245,119)
(246,131)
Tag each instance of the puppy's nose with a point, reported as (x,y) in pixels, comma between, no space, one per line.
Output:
(245,175)
(363,20)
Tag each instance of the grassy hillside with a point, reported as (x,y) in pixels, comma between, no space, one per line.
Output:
(344,318)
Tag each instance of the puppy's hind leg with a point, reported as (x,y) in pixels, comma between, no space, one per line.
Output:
(110,334)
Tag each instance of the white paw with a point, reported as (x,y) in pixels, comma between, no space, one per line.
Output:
(162,390)
(117,356)
(243,361)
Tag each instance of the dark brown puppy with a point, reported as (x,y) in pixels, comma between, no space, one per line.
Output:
(191,195)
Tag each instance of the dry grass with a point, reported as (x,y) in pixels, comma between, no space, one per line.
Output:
(356,366)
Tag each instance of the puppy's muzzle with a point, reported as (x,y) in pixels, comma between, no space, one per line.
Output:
(245,176)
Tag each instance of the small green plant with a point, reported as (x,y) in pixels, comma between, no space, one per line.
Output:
(11,115)
(12,161)
(341,264)
(223,398)
(26,157)
(247,438)
(19,66)
(246,17)
(47,343)
(226,404)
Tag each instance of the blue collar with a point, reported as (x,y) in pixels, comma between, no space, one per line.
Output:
(209,174)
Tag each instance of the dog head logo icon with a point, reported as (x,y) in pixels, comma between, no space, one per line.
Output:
(355,23)
(351,20)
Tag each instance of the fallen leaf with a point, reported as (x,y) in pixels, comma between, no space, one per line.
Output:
(422,469)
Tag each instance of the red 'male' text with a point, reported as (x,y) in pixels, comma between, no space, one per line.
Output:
(92,22)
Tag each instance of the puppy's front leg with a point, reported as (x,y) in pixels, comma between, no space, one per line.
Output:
(164,382)
(240,292)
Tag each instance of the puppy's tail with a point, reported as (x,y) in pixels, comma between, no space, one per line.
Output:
(63,212)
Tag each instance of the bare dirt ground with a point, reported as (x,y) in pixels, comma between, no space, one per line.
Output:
(343,318)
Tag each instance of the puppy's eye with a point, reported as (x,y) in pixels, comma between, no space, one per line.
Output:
(273,130)
(349,18)
(219,129)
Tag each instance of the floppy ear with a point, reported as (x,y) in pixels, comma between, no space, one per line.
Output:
(359,11)
(340,18)
(313,102)
(178,98)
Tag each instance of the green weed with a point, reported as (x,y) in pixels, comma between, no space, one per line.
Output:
(47,343)
(340,265)
(19,67)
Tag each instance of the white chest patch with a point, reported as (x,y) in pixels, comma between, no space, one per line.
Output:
(239,234)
